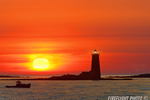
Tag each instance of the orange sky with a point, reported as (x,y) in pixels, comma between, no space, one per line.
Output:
(66,32)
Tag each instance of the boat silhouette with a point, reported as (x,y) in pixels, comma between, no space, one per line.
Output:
(20,85)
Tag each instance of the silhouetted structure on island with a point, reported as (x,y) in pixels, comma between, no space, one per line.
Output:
(94,74)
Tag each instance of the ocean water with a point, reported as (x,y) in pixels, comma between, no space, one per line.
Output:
(74,90)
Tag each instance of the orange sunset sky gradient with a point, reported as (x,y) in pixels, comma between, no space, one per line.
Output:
(66,32)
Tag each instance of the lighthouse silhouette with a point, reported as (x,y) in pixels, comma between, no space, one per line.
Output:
(95,73)
(95,66)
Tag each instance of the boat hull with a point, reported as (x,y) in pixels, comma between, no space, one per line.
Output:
(20,86)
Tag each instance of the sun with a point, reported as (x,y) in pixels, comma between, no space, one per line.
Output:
(40,64)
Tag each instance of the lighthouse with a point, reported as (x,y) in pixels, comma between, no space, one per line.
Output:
(95,73)
(95,66)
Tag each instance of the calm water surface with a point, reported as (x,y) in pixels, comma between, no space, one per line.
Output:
(75,90)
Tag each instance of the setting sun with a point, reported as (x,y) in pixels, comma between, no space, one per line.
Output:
(41,64)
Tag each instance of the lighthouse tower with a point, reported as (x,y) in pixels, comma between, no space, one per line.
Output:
(95,66)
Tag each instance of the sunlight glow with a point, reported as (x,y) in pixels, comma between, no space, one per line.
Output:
(41,64)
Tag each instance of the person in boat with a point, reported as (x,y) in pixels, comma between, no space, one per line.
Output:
(18,83)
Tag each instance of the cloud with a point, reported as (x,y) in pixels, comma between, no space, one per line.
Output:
(13,58)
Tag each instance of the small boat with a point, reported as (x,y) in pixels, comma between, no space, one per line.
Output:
(20,85)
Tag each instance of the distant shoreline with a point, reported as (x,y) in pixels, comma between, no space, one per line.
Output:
(147,75)
(71,79)
(8,76)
